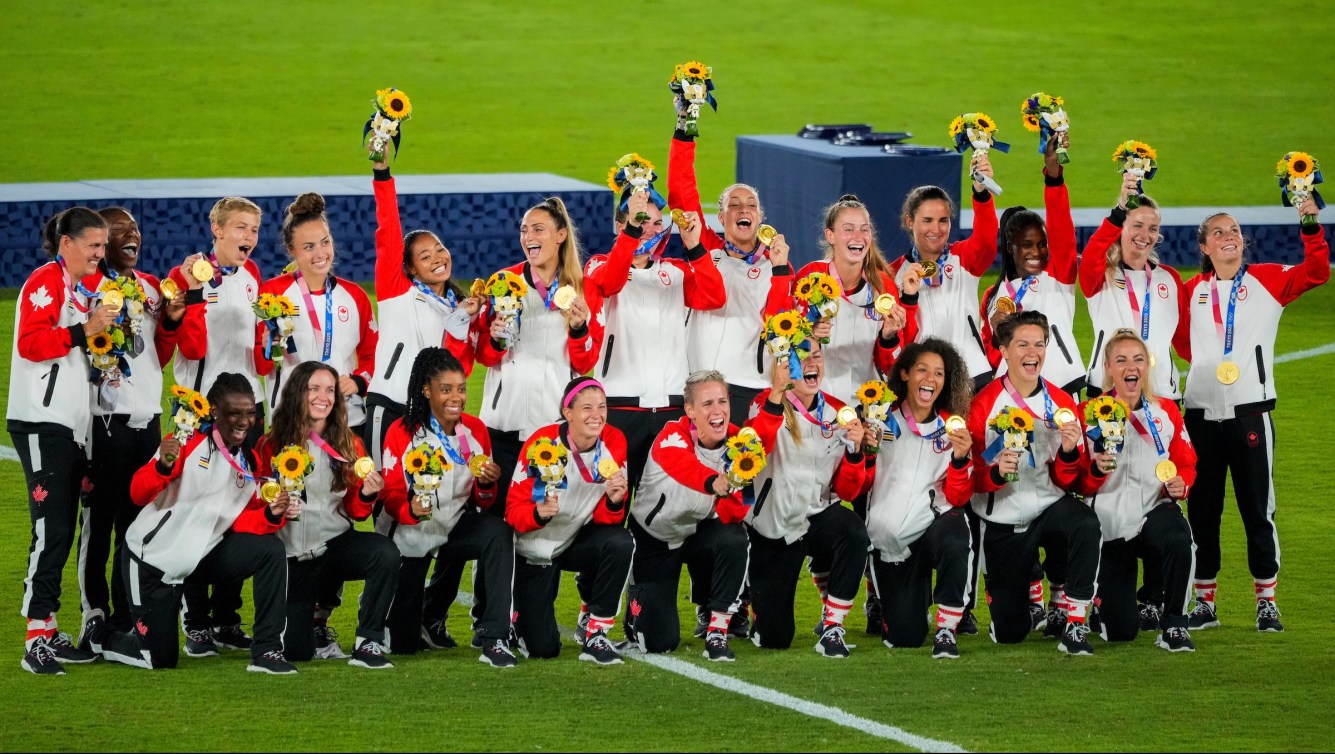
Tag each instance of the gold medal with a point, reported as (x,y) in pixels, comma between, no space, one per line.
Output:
(269,491)
(1165,470)
(885,304)
(1063,416)
(169,289)
(748,434)
(201,270)
(766,234)
(846,416)
(1153,361)
(476,463)
(679,218)
(564,297)
(363,467)
(928,269)
(955,422)
(113,300)
(1227,373)
(1005,305)
(607,468)
(478,288)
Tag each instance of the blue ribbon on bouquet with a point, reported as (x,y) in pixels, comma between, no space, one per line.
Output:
(999,444)
(1316,195)
(540,484)
(272,326)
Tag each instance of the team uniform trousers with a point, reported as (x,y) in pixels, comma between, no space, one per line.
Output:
(1244,446)
(716,555)
(641,426)
(905,588)
(350,556)
(54,467)
(601,555)
(1166,537)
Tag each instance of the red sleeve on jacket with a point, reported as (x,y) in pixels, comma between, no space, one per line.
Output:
(192,336)
(731,509)
(484,495)
(958,485)
(254,518)
(1062,241)
(1286,283)
(390,279)
(767,420)
(276,286)
(357,508)
(611,275)
(394,496)
(883,357)
(977,252)
(519,505)
(683,193)
(780,296)
(991,351)
(607,512)
(674,450)
(703,284)
(1180,450)
(1182,337)
(40,336)
(980,412)
(164,339)
(583,349)
(1094,260)
(480,333)
(1077,475)
(147,483)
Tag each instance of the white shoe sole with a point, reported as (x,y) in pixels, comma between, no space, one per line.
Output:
(1203,626)
(134,662)
(1261,630)
(587,658)
(944,656)
(484,659)
(820,650)
(266,671)
(359,664)
(1159,642)
(67,661)
(210,653)
(24,664)
(717,659)
(1080,653)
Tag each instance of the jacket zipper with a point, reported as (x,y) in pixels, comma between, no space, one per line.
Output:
(607,357)
(393,361)
(763,496)
(1061,344)
(649,519)
(149,537)
(51,384)
(1260,368)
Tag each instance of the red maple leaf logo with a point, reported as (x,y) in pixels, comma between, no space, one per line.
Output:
(39,494)
(141,628)
(635,608)
(87,485)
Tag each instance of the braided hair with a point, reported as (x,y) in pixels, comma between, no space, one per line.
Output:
(1014,222)
(430,363)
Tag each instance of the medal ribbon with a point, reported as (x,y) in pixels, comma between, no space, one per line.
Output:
(547,294)
(1024,288)
(592,477)
(1225,328)
(940,277)
(1021,402)
(916,428)
(749,257)
(1152,433)
(820,409)
(460,455)
(72,287)
(649,244)
(326,447)
(328,330)
(240,467)
(1135,305)
(218,270)
(450,301)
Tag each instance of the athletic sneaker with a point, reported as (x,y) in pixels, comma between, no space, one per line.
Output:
(701,622)
(1175,640)
(232,637)
(598,649)
(831,643)
(1038,617)
(716,647)
(273,663)
(326,644)
(437,636)
(1149,617)
(200,644)
(968,625)
(498,655)
(1075,639)
(1054,624)
(944,645)
(872,609)
(40,660)
(62,646)
(1203,616)
(95,631)
(125,649)
(582,628)
(740,625)
(370,655)
(1267,617)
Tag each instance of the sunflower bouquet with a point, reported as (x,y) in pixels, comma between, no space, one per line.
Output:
(634,173)
(111,349)
(190,412)
(506,291)
(278,314)
(425,467)
(693,86)
(1105,422)
(1299,173)
(875,399)
(1138,159)
(977,131)
(293,464)
(785,335)
(1043,113)
(743,459)
(547,459)
(819,292)
(1016,427)
(392,107)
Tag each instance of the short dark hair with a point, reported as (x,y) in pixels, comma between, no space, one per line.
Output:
(1006,328)
(72,222)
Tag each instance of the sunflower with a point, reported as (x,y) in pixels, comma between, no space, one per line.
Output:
(984,123)
(395,103)
(1301,164)
(676,73)
(516,286)
(827,286)
(871,392)
(416,460)
(286,306)
(803,290)
(737,445)
(635,159)
(545,456)
(957,126)
(266,300)
(179,392)
(747,465)
(1105,409)
(1021,421)
(291,462)
(784,323)
(1031,123)
(695,70)
(612,178)
(199,405)
(1145,150)
(100,343)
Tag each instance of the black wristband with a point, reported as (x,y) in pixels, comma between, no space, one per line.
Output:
(381,175)
(1053,181)
(272,517)
(997,477)
(680,135)
(782,269)
(697,252)
(581,332)
(634,231)
(362,384)
(959,463)
(1117,216)
(709,485)
(1311,230)
(497,345)
(982,197)
(163,468)
(909,299)
(194,296)
(78,338)
(1066,457)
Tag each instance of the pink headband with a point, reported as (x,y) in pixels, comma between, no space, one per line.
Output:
(580,387)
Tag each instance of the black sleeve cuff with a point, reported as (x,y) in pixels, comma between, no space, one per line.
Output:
(1117,216)
(381,175)
(634,231)
(680,135)
(979,197)
(772,408)
(78,338)
(889,342)
(997,477)
(581,332)
(194,296)
(783,269)
(613,507)
(272,517)
(909,299)
(697,252)
(853,457)
(1053,181)
(1071,457)
(539,520)
(362,385)
(1311,230)
(497,345)
(959,463)
(168,324)
(366,499)
(709,485)
(163,469)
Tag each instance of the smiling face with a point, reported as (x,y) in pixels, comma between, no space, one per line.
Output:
(428,260)
(813,372)
(708,410)
(235,415)
(541,239)
(740,215)
(1128,368)
(235,238)
(850,238)
(1223,242)
(930,227)
(320,395)
(925,380)
(1029,249)
(1140,234)
(1026,353)
(586,416)
(83,253)
(123,241)
(446,393)
(313,249)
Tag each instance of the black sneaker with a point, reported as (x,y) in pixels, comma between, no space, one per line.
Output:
(1075,639)
(945,646)
(1175,640)
(968,625)
(200,644)
(872,609)
(370,655)
(1038,617)
(716,647)
(1054,624)
(40,660)
(67,654)
(599,649)
(326,644)
(1149,617)
(1267,618)
(701,622)
(831,643)
(437,636)
(497,654)
(232,637)
(582,629)
(740,624)
(95,631)
(125,649)
(273,663)
(1203,616)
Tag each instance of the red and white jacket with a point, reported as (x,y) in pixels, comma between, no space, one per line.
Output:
(48,371)
(1264,292)
(1052,476)
(676,491)
(856,353)
(950,310)
(1131,491)
(800,479)
(522,389)
(187,512)
(140,395)
(409,320)
(1111,307)
(458,490)
(912,480)
(582,502)
(325,514)
(643,362)
(218,332)
(728,339)
(1052,293)
(352,351)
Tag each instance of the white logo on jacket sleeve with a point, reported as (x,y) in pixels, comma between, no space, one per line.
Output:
(593,265)
(39,299)
(390,462)
(673,440)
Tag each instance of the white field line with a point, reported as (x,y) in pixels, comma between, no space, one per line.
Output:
(776,698)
